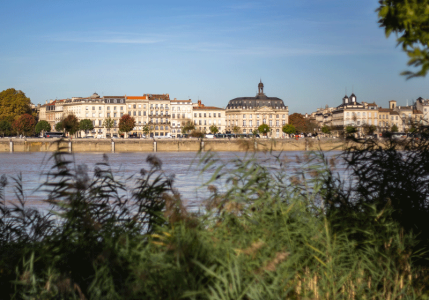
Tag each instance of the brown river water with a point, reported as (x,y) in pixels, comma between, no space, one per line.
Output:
(183,165)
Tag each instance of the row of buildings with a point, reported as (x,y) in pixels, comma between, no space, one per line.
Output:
(362,115)
(165,116)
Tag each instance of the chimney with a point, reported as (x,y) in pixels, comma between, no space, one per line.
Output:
(199,103)
(50,101)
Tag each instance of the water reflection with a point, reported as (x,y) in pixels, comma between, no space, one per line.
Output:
(183,165)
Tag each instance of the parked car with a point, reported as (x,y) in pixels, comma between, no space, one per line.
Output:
(210,136)
(54,135)
(89,137)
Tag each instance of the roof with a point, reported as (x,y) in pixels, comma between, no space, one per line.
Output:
(372,104)
(181,100)
(208,107)
(137,97)
(384,110)
(258,101)
(114,97)
(417,112)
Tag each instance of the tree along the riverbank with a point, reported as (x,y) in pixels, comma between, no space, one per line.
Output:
(267,234)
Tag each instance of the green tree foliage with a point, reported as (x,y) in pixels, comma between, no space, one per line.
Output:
(197,134)
(42,125)
(236,130)
(214,129)
(59,126)
(24,125)
(351,129)
(71,124)
(108,123)
(289,129)
(255,132)
(13,103)
(5,127)
(86,125)
(409,21)
(126,123)
(326,129)
(264,129)
(369,129)
(188,126)
(394,128)
(146,130)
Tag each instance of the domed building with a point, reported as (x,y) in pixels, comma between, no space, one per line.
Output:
(248,113)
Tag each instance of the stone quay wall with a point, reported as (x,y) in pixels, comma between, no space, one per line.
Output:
(166,145)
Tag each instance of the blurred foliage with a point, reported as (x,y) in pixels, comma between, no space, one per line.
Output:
(409,20)
(292,229)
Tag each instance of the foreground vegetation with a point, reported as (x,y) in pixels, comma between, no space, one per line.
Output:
(263,233)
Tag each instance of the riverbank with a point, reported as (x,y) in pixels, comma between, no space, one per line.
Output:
(164,145)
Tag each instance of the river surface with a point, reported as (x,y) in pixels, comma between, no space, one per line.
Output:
(183,165)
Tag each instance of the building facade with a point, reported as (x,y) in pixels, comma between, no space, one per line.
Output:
(246,114)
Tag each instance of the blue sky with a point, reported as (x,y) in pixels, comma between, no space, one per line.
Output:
(307,52)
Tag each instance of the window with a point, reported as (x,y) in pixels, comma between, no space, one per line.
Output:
(99,115)
(250,123)
(277,123)
(122,114)
(257,123)
(99,108)
(219,115)
(277,116)
(204,115)
(284,116)
(271,123)
(108,115)
(140,113)
(244,116)
(174,115)
(122,108)
(114,107)
(257,116)
(114,115)
(195,115)
(87,114)
(200,115)
(99,122)
(87,108)
(129,106)
(199,122)
(140,106)
(108,108)
(93,115)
